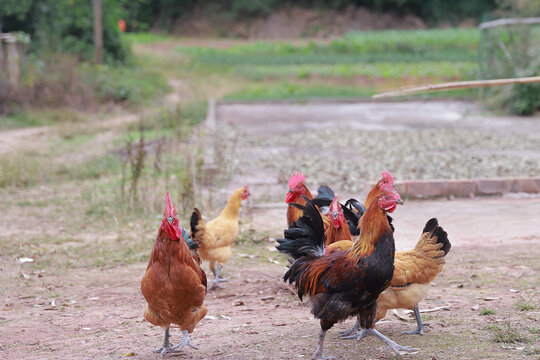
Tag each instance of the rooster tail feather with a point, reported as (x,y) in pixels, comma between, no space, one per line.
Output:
(352,220)
(197,226)
(433,230)
(305,236)
(325,193)
(431,225)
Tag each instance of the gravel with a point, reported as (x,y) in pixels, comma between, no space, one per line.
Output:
(347,158)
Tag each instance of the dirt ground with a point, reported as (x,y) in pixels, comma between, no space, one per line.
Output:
(485,300)
(96,313)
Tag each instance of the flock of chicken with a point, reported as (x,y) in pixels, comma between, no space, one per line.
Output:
(342,257)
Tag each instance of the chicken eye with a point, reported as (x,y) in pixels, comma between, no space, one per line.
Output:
(387,197)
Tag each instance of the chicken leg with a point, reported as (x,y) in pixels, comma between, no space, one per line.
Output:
(394,346)
(420,325)
(318,353)
(167,346)
(185,341)
(217,279)
(354,329)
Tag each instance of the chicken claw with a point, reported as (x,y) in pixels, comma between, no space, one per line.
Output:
(167,346)
(185,341)
(420,325)
(394,346)
(357,336)
(351,331)
(318,353)
(217,279)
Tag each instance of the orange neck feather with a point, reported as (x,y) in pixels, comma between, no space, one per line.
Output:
(376,190)
(333,235)
(373,224)
(233,206)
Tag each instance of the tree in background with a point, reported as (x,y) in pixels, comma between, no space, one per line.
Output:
(65,26)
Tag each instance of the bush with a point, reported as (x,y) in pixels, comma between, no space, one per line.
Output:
(65,26)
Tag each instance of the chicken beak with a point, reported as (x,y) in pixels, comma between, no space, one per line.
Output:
(170,220)
(400,202)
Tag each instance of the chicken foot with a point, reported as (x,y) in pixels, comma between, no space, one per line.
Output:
(167,346)
(394,346)
(217,279)
(420,325)
(185,341)
(318,353)
(353,330)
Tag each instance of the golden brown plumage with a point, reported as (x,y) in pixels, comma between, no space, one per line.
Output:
(216,238)
(174,285)
(413,271)
(344,283)
(294,195)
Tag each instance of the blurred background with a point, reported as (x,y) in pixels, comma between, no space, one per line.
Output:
(107,104)
(103,98)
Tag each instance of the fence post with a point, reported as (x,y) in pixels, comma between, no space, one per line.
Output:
(13,62)
(2,62)
(98,32)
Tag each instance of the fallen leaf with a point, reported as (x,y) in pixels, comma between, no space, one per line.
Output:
(86,328)
(266,298)
(402,314)
(513,290)
(490,298)
(238,303)
(93,298)
(475,307)
(129,354)
(274,261)
(7,309)
(26,260)
(217,317)
(26,277)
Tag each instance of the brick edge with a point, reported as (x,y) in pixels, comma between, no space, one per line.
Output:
(462,188)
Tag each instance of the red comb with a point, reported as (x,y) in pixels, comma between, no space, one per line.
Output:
(387,177)
(334,205)
(296,179)
(169,209)
(390,188)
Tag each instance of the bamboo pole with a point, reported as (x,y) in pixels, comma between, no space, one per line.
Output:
(98,32)
(456,85)
(13,62)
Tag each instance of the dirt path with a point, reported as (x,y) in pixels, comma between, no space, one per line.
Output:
(488,288)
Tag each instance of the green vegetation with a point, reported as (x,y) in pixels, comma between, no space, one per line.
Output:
(357,65)
(485,312)
(525,305)
(65,27)
(508,333)
(355,47)
(143,14)
(119,83)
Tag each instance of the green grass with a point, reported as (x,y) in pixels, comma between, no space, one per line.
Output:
(41,117)
(525,305)
(507,333)
(134,85)
(285,90)
(485,312)
(147,38)
(354,66)
(356,47)
(384,70)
